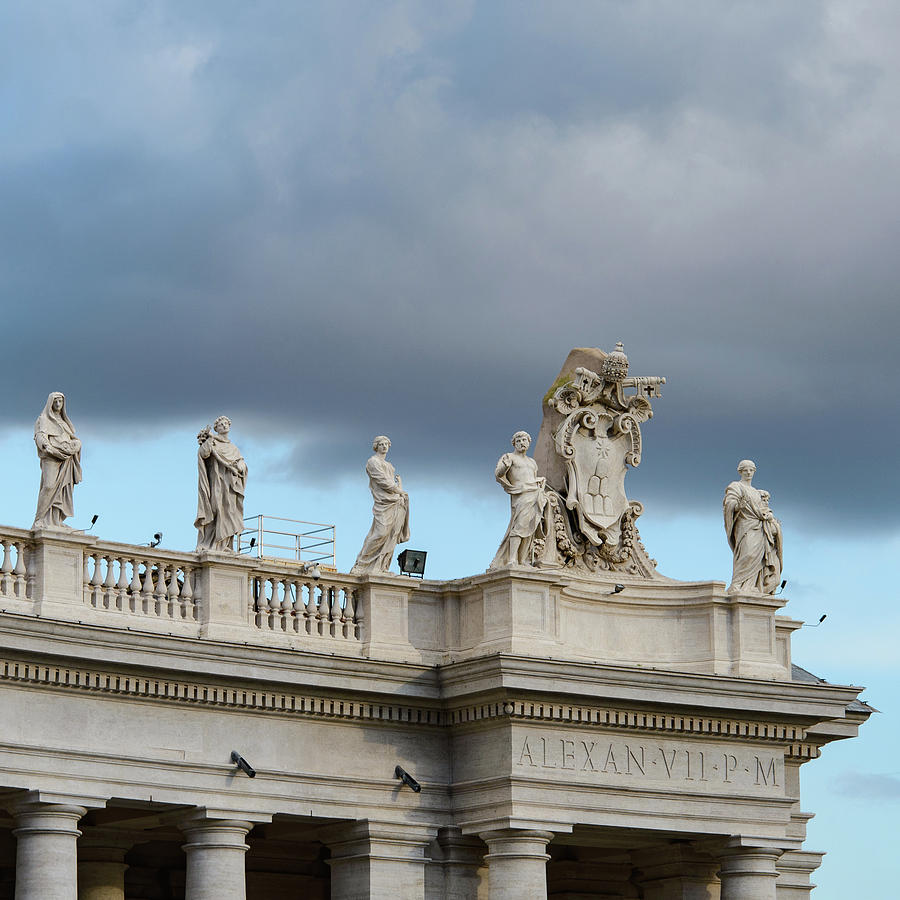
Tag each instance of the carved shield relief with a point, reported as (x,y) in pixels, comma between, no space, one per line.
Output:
(595,454)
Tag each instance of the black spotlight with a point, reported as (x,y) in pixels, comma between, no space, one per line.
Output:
(406,778)
(242,764)
(412,563)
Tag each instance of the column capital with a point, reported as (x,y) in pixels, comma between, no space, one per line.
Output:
(459,847)
(36,817)
(220,833)
(375,838)
(748,859)
(512,843)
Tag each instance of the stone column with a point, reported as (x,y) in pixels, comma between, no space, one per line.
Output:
(677,872)
(459,857)
(517,864)
(215,851)
(47,850)
(101,864)
(378,860)
(748,873)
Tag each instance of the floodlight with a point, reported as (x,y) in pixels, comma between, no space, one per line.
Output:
(242,764)
(412,563)
(407,779)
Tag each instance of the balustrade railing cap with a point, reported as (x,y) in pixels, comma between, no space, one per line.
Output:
(63,536)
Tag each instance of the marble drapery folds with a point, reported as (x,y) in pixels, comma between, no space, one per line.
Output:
(517,474)
(390,513)
(754,535)
(59,452)
(222,481)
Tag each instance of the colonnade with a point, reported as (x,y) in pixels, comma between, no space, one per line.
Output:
(369,861)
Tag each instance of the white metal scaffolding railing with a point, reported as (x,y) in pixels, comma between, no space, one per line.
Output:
(275,537)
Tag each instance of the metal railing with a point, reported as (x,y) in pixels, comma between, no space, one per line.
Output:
(275,537)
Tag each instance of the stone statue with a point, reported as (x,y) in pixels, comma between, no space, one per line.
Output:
(517,474)
(754,535)
(60,454)
(221,486)
(390,512)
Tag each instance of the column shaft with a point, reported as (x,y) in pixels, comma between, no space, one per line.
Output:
(47,851)
(98,880)
(215,852)
(517,864)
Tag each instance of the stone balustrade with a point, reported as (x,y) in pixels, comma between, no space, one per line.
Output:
(683,626)
(287,604)
(140,584)
(13,583)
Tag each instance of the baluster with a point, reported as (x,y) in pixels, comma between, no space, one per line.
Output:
(19,572)
(86,578)
(173,593)
(304,610)
(354,594)
(134,601)
(122,584)
(274,606)
(296,606)
(187,594)
(352,628)
(321,607)
(287,605)
(109,584)
(96,582)
(147,588)
(160,595)
(6,569)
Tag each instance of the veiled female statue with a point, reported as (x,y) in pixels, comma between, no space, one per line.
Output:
(754,535)
(222,481)
(517,474)
(390,512)
(60,454)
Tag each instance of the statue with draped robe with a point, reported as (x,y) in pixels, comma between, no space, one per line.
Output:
(517,474)
(222,480)
(754,535)
(59,452)
(390,512)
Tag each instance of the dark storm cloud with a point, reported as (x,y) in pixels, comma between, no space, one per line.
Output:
(331,221)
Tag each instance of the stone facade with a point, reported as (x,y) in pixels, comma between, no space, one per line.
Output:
(569,741)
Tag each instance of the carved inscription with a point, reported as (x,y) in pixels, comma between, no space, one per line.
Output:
(619,761)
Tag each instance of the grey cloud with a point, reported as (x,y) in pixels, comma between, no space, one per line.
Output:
(368,218)
(869,786)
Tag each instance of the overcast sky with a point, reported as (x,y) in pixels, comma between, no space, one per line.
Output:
(331,220)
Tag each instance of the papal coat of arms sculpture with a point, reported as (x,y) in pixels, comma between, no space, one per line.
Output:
(590,436)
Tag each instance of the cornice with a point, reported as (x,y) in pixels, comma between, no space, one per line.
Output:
(177,657)
(333,706)
(581,682)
